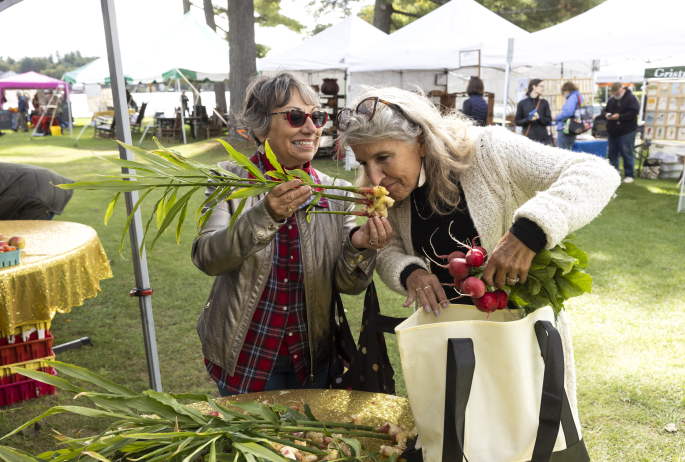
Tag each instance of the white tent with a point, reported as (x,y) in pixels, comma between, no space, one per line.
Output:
(614,31)
(327,50)
(190,46)
(438,40)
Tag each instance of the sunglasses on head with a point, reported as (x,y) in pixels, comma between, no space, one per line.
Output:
(297,118)
(366,109)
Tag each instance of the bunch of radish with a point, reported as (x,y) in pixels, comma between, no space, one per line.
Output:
(461,266)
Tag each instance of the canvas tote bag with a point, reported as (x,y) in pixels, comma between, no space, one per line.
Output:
(487,390)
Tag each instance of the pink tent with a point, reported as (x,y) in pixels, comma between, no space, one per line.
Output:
(32,80)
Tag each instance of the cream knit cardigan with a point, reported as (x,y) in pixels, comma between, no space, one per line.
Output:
(513,177)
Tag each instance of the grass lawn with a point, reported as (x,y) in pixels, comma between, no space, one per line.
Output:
(629,334)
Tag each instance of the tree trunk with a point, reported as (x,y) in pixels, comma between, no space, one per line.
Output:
(186,6)
(242,55)
(382,15)
(219,87)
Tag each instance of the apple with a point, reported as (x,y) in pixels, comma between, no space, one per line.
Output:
(3,238)
(17,241)
(3,244)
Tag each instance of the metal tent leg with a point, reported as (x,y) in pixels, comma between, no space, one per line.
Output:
(136,230)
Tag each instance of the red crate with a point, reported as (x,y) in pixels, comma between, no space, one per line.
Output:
(22,352)
(25,390)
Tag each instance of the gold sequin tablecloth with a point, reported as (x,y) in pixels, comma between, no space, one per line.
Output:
(61,265)
(335,406)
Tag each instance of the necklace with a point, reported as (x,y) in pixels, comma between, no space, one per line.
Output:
(417,209)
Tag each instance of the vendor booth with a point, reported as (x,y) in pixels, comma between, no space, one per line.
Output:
(33,80)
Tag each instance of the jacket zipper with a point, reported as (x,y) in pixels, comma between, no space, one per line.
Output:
(309,317)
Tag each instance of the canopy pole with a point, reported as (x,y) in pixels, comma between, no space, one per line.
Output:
(642,99)
(136,229)
(183,119)
(507,71)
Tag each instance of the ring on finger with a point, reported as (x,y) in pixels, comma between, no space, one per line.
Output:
(289,209)
(512,280)
(373,243)
(427,287)
(417,289)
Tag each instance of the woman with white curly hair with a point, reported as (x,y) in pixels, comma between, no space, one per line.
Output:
(452,179)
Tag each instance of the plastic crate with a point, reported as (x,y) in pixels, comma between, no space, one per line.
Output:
(7,375)
(26,351)
(25,390)
(25,333)
(10,258)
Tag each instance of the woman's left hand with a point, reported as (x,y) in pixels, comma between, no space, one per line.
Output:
(374,234)
(509,262)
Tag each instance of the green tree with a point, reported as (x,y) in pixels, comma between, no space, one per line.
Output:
(52,66)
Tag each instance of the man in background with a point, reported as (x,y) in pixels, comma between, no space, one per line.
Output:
(22,110)
(621,113)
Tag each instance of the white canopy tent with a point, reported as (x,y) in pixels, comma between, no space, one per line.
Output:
(460,39)
(190,47)
(325,55)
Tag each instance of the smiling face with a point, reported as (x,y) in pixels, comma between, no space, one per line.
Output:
(293,146)
(396,165)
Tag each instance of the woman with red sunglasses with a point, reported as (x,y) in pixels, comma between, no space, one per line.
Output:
(267,321)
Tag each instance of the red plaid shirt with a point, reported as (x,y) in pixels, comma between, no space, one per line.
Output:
(281,313)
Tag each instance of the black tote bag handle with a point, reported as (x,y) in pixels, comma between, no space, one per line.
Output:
(555,409)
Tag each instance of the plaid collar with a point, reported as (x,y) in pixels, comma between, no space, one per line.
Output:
(261,161)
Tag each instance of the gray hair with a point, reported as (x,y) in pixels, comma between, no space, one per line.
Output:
(264,93)
(448,147)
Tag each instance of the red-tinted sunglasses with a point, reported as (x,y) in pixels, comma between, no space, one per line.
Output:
(297,118)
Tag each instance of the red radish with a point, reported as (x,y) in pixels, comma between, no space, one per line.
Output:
(483,251)
(487,303)
(474,258)
(458,268)
(473,287)
(502,299)
(458,283)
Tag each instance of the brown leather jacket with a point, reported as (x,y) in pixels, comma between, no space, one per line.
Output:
(242,264)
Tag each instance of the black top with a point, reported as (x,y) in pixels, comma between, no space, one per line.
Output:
(425,223)
(538,128)
(477,109)
(627,108)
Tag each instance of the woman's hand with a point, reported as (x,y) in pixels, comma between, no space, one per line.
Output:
(428,289)
(536,116)
(374,234)
(284,199)
(509,262)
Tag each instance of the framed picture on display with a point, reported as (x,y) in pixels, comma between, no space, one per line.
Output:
(672,104)
(670,133)
(649,118)
(649,133)
(681,104)
(663,88)
(675,88)
(682,119)
(681,133)
(660,132)
(672,118)
(661,118)
(653,88)
(663,104)
(651,103)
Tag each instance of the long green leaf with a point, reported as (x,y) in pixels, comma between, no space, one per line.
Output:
(250,192)
(235,215)
(50,379)
(207,201)
(171,201)
(179,225)
(272,157)
(152,158)
(259,409)
(302,175)
(278,175)
(111,185)
(110,208)
(155,211)
(179,408)
(172,213)
(15,455)
(255,449)
(90,377)
(130,217)
(243,161)
(206,215)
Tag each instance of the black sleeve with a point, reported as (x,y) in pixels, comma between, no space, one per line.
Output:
(466,108)
(529,233)
(545,114)
(407,271)
(632,111)
(521,119)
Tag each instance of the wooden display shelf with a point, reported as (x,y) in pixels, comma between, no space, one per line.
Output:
(556,99)
(665,110)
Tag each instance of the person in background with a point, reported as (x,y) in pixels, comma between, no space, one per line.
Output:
(621,113)
(22,110)
(573,102)
(184,102)
(475,106)
(36,105)
(533,114)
